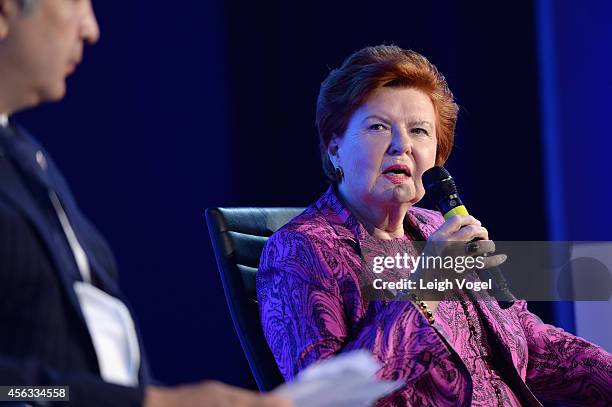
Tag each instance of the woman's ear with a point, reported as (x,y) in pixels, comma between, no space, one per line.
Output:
(333,150)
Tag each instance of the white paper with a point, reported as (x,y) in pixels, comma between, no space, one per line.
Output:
(113,334)
(343,380)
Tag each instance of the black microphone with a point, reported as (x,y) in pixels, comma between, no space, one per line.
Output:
(441,189)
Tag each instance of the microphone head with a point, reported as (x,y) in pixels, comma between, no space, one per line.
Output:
(435,174)
(438,183)
(441,189)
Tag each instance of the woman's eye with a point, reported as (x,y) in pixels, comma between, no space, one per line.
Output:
(377,127)
(420,131)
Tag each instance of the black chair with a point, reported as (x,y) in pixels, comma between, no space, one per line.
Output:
(238,236)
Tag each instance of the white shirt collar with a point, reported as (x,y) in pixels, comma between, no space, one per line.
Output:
(3,120)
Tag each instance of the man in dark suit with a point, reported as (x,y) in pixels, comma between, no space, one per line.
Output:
(63,318)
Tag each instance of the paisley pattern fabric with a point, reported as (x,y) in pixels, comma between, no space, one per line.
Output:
(465,332)
(312,307)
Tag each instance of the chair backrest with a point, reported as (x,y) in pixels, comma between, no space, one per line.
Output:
(238,236)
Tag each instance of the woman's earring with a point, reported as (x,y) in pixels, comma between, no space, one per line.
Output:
(339,174)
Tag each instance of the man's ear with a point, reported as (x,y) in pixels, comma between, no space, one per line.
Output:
(9,10)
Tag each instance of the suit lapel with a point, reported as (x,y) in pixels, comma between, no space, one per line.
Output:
(15,193)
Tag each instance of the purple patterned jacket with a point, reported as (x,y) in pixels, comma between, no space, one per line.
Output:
(311,308)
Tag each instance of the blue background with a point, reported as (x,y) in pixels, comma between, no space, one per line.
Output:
(183,106)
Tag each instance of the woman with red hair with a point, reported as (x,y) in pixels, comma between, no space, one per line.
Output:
(384,118)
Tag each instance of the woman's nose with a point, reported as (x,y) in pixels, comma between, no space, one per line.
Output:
(401,143)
